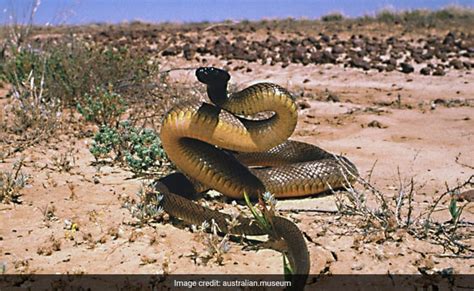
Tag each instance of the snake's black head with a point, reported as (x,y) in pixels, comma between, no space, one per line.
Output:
(212,76)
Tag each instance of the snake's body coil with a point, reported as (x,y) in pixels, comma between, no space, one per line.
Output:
(212,145)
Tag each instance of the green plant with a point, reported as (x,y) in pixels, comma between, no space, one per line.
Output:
(454,210)
(145,150)
(332,17)
(147,208)
(264,219)
(103,106)
(138,148)
(34,113)
(106,141)
(47,77)
(388,16)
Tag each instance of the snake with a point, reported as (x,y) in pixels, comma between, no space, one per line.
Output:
(217,145)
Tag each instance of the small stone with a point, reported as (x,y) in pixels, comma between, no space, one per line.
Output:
(439,72)
(466,195)
(425,71)
(333,98)
(457,64)
(375,123)
(304,104)
(170,51)
(407,68)
(360,63)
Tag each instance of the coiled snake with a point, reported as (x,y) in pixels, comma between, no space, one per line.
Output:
(216,148)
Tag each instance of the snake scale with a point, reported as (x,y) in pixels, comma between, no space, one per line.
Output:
(214,147)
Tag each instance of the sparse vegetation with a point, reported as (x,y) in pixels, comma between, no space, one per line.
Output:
(147,209)
(388,216)
(332,17)
(73,69)
(48,78)
(64,161)
(11,183)
(425,18)
(267,206)
(216,246)
(103,107)
(138,148)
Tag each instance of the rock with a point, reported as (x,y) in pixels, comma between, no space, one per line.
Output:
(439,72)
(407,68)
(333,98)
(251,57)
(362,53)
(303,104)
(378,67)
(188,51)
(299,54)
(325,38)
(375,123)
(440,101)
(466,196)
(457,64)
(390,68)
(391,61)
(418,59)
(337,49)
(428,55)
(170,51)
(328,57)
(449,39)
(357,42)
(426,71)
(306,61)
(360,63)
(316,57)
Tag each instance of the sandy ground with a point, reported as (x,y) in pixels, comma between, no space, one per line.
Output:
(433,143)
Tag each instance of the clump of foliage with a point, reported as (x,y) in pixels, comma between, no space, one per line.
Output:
(34,112)
(11,182)
(147,209)
(332,17)
(103,106)
(426,18)
(48,77)
(138,148)
(73,68)
(263,214)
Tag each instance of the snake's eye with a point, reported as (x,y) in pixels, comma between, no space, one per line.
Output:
(212,76)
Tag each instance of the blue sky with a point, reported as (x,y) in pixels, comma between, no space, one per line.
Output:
(113,11)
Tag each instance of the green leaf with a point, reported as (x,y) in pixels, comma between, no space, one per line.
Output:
(453,209)
(287,269)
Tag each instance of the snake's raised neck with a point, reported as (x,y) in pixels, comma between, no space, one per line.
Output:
(216,81)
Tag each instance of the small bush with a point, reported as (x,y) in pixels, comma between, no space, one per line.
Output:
(11,182)
(138,148)
(147,208)
(34,112)
(49,77)
(102,107)
(106,142)
(332,17)
(388,16)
